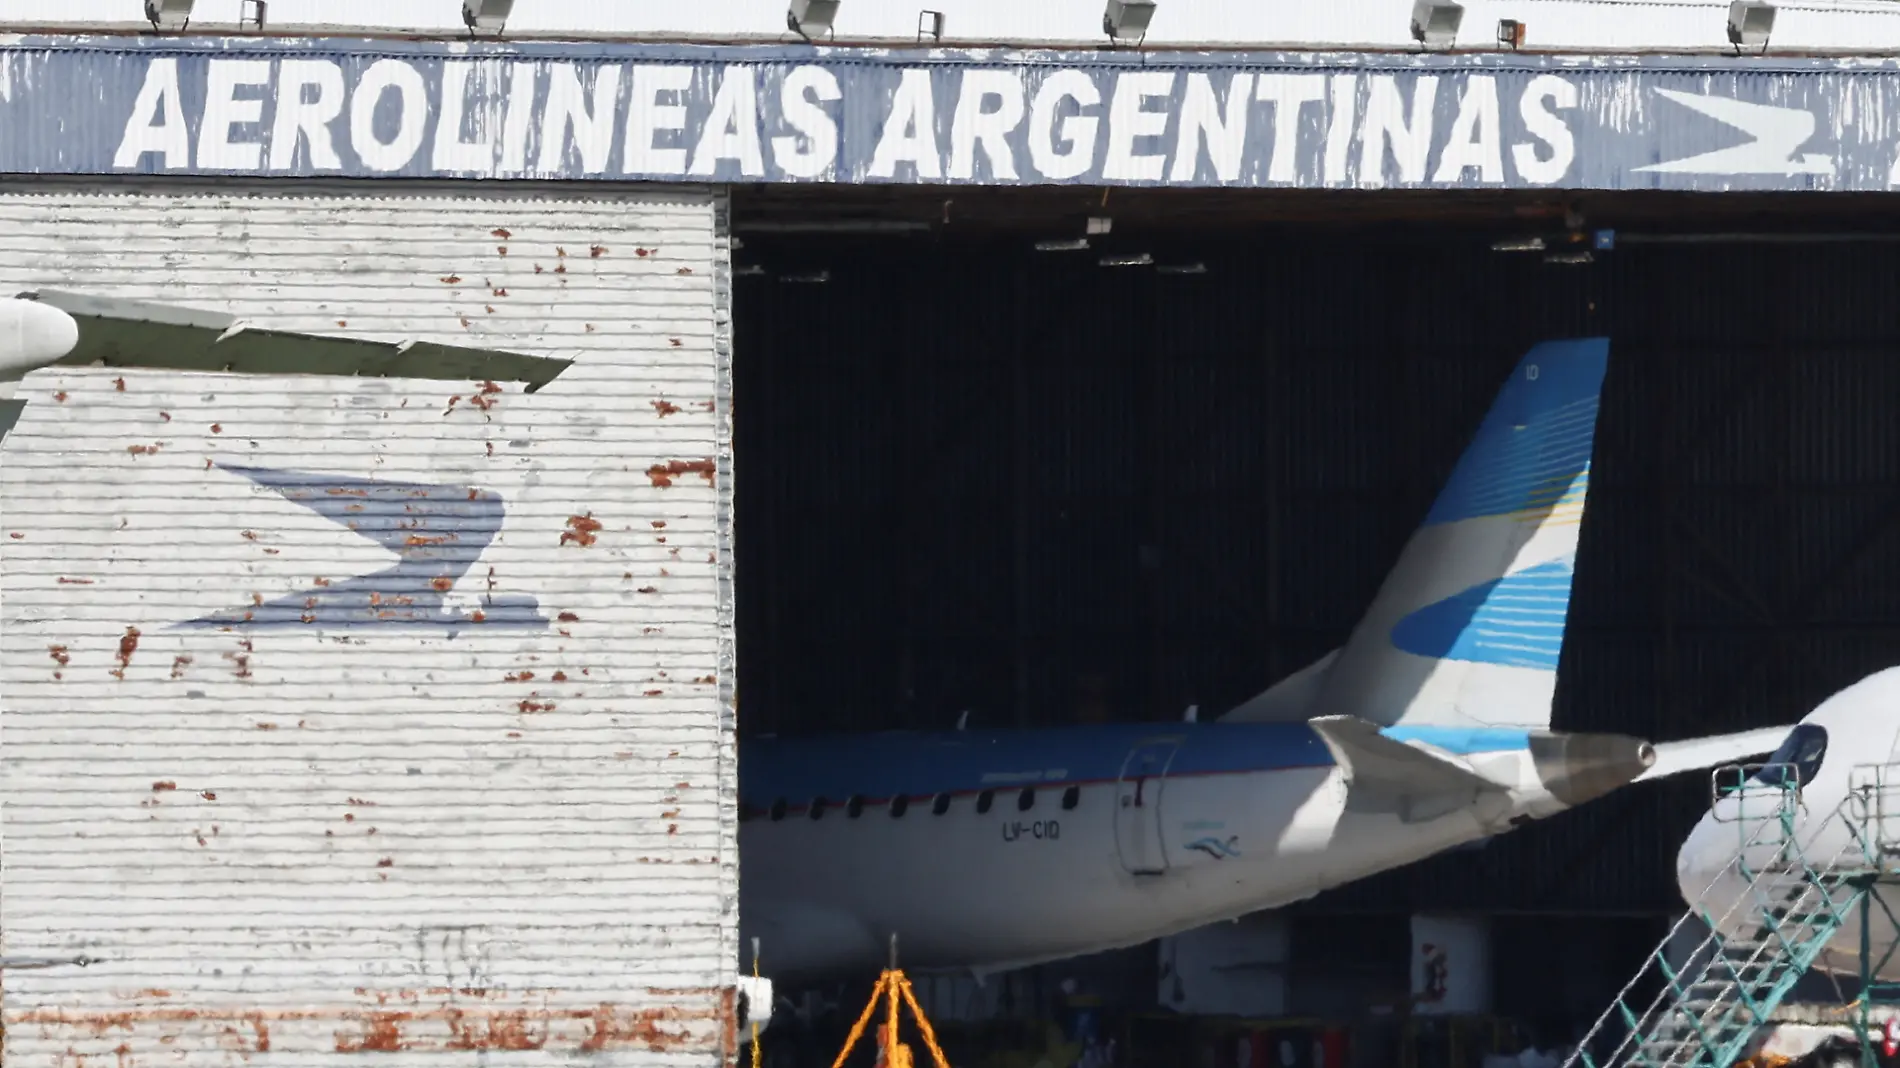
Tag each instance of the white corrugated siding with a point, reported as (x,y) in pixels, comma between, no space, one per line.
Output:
(311,844)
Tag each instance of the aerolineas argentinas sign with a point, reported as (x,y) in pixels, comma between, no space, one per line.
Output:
(776,114)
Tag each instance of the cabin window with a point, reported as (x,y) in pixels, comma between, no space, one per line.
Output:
(1071,797)
(899,805)
(940,804)
(854,807)
(1798,758)
(778,809)
(984,800)
(817,810)
(1026,800)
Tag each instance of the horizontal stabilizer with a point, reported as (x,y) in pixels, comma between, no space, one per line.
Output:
(1377,764)
(114,332)
(1695,754)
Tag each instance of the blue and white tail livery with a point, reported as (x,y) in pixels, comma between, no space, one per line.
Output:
(1467,628)
(988,849)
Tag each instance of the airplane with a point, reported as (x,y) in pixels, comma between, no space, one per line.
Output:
(1842,760)
(982,851)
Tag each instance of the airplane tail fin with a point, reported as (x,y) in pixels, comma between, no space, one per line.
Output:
(1467,628)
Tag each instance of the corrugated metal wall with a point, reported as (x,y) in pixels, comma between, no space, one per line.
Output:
(1070,492)
(298,844)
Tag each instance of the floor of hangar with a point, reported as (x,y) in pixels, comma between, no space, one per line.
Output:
(981,476)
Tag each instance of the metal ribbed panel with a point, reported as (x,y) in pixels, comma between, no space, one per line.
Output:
(303,843)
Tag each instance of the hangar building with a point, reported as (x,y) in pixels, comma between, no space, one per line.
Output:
(368,716)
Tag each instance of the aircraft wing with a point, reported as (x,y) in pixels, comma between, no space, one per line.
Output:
(1694,754)
(129,333)
(1370,758)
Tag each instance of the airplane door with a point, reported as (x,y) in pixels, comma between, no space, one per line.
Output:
(1138,806)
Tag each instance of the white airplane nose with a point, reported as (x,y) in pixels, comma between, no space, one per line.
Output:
(1702,859)
(33,335)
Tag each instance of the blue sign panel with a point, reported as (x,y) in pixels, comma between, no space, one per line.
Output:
(779,114)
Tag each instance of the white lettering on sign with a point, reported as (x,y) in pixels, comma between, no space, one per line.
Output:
(157,122)
(813,151)
(570,110)
(732,130)
(305,117)
(1130,118)
(976,127)
(1065,149)
(1545,92)
(512,117)
(1288,93)
(412,115)
(910,130)
(1474,140)
(1203,121)
(1387,126)
(647,117)
(224,109)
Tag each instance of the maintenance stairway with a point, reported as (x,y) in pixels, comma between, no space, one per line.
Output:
(1709,1005)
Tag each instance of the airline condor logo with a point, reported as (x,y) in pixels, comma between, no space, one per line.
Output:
(1776,135)
(1218,848)
(437,533)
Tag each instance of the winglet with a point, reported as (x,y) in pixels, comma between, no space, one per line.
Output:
(1424,783)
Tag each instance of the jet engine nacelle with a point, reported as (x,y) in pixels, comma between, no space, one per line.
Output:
(33,335)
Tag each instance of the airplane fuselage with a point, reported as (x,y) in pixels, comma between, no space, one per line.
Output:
(989,850)
(1847,810)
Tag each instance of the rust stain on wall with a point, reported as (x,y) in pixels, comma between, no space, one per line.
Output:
(383,1034)
(581,530)
(664,474)
(568,617)
(665,408)
(179,664)
(613,1026)
(60,657)
(142,450)
(128,644)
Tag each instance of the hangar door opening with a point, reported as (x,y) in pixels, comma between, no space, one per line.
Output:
(993,471)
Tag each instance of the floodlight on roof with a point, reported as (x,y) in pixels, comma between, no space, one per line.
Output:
(491,15)
(1749,24)
(808,17)
(168,14)
(1128,18)
(1435,22)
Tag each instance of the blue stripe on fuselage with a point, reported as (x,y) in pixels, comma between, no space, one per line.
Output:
(878,767)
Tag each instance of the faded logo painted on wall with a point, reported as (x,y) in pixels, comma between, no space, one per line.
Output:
(437,533)
(778,114)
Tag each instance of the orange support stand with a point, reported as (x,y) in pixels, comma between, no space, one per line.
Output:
(892,987)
